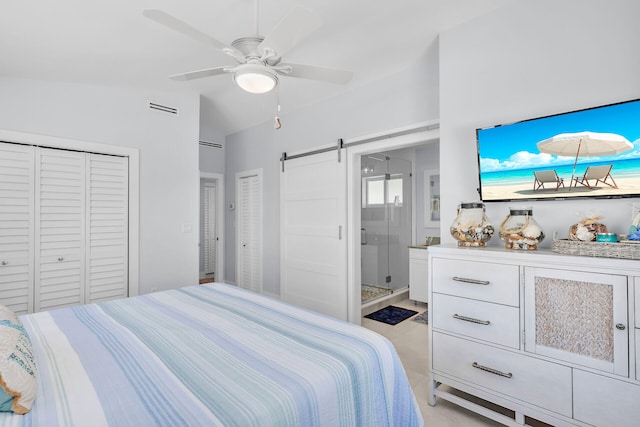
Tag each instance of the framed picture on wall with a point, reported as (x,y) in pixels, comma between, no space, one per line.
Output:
(432,198)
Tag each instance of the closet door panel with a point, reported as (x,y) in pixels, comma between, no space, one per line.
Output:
(107,225)
(16,227)
(60,228)
(249,232)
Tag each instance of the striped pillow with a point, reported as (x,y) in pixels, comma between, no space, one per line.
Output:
(17,365)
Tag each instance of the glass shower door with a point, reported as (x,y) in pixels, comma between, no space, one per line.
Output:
(386,225)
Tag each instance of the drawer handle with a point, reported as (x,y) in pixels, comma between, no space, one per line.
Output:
(621,326)
(60,258)
(474,281)
(491,370)
(5,262)
(471,319)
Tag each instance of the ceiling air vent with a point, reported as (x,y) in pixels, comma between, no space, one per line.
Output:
(210,144)
(164,108)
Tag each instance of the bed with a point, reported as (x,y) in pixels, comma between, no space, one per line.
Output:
(210,355)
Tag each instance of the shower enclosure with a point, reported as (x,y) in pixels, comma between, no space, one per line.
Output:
(386,224)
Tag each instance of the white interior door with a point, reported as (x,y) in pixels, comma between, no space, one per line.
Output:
(249,230)
(16,227)
(313,237)
(59,228)
(107,228)
(210,227)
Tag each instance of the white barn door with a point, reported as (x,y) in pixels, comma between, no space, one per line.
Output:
(249,230)
(313,216)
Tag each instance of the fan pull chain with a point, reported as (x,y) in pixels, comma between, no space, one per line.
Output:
(277,123)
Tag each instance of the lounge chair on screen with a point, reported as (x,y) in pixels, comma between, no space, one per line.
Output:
(595,175)
(547,177)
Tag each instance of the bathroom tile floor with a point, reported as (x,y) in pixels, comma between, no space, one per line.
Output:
(410,340)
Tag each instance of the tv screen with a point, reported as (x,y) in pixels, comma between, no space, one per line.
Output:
(587,153)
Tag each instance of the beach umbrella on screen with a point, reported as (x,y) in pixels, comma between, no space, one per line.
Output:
(584,144)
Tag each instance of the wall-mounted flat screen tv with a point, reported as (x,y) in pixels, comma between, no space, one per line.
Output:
(587,153)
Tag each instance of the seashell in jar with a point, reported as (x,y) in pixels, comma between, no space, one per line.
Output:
(532,231)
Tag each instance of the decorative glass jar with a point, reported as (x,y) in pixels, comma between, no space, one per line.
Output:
(520,231)
(471,227)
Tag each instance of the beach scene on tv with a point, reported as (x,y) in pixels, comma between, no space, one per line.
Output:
(587,153)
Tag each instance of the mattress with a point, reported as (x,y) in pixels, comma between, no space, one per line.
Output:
(211,355)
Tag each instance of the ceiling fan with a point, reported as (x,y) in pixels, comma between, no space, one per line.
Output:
(259,59)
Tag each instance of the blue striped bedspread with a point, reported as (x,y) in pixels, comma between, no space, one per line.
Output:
(211,355)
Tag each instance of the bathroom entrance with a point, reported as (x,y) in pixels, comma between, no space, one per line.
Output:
(385,231)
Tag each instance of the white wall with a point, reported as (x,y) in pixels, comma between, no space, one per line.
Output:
(427,158)
(168,144)
(404,99)
(211,159)
(527,60)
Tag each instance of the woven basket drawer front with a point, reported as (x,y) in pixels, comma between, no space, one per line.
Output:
(490,282)
(499,324)
(532,380)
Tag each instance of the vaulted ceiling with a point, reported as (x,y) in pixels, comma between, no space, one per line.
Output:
(112,43)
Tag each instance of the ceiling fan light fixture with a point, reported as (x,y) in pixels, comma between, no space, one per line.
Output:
(255,78)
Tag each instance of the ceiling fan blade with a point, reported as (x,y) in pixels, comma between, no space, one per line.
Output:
(293,28)
(182,27)
(317,73)
(207,72)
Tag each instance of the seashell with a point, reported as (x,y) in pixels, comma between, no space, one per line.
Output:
(532,231)
(583,233)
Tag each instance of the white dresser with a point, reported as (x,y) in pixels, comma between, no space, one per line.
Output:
(547,336)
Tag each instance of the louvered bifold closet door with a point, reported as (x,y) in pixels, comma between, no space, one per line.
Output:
(210,232)
(60,228)
(16,227)
(250,234)
(107,225)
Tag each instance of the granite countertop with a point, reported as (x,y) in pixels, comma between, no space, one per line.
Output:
(419,246)
(431,241)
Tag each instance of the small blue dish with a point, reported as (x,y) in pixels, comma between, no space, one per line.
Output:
(606,237)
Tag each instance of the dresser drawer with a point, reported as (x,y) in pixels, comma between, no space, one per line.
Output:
(491,282)
(499,324)
(603,401)
(535,381)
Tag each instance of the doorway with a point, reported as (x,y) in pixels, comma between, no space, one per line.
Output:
(211,227)
(412,136)
(386,223)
